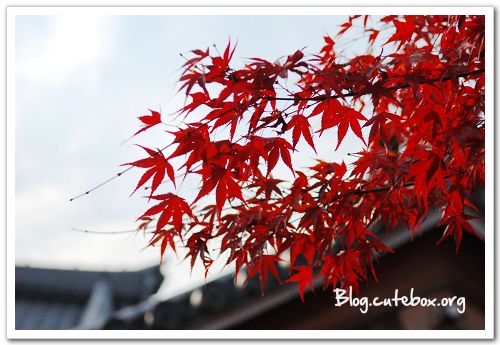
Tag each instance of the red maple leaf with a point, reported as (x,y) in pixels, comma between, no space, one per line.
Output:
(404,32)
(350,118)
(264,265)
(304,277)
(149,121)
(301,127)
(171,209)
(157,166)
(277,147)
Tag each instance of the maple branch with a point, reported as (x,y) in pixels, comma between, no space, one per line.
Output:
(317,98)
(359,191)
(105,232)
(101,184)
(392,88)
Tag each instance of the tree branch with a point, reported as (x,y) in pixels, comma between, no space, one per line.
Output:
(392,88)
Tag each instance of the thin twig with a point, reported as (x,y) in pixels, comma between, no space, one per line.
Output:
(102,183)
(107,232)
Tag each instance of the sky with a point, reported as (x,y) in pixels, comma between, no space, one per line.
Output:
(81,82)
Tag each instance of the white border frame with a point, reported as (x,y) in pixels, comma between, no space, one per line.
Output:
(488,333)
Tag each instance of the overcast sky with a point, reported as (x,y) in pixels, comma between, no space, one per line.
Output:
(81,82)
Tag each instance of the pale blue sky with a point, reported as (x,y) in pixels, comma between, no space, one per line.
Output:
(80,84)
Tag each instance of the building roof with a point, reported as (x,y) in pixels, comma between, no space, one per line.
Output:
(64,299)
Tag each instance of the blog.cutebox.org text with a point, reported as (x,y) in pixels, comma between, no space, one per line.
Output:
(343,297)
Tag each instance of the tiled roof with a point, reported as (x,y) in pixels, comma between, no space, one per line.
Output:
(42,314)
(63,299)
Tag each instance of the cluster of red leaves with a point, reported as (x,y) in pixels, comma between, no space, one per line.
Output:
(424,151)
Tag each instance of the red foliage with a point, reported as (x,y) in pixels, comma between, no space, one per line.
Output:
(423,105)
